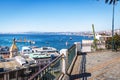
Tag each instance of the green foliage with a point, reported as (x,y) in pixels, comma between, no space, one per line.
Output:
(94,45)
(111,1)
(115,40)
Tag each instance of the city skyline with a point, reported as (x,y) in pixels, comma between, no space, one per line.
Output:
(56,15)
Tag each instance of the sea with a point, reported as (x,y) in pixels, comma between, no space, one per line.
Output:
(42,40)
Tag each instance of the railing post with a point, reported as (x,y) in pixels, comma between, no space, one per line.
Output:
(78,47)
(64,53)
(6,76)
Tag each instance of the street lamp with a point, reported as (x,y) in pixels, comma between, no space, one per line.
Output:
(113,45)
(113,2)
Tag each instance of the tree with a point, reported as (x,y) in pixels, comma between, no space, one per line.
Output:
(116,39)
(113,2)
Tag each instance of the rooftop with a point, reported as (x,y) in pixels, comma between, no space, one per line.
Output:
(39,55)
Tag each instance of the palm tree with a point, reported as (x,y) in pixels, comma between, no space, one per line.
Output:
(113,2)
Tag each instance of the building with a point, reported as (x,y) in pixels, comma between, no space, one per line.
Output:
(13,49)
(4,51)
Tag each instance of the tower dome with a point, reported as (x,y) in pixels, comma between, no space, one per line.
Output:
(13,49)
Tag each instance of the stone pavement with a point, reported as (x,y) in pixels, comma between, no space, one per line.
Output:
(76,69)
(102,65)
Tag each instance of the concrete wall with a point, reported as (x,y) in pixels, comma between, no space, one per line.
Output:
(86,45)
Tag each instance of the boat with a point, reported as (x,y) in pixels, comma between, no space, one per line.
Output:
(25,41)
(26,50)
(31,42)
(66,43)
(48,50)
(70,38)
(44,49)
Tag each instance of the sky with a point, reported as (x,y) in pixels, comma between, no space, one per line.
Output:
(56,15)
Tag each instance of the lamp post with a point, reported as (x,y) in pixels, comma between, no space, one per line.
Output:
(113,45)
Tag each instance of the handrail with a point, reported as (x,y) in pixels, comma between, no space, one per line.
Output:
(71,55)
(35,75)
(71,47)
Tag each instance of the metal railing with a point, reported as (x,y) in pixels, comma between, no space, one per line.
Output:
(50,72)
(71,55)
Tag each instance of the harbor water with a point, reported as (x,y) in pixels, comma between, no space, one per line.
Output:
(57,41)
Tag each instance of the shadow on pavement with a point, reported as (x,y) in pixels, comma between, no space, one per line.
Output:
(83,74)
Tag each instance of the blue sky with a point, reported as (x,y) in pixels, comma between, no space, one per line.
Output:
(56,15)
